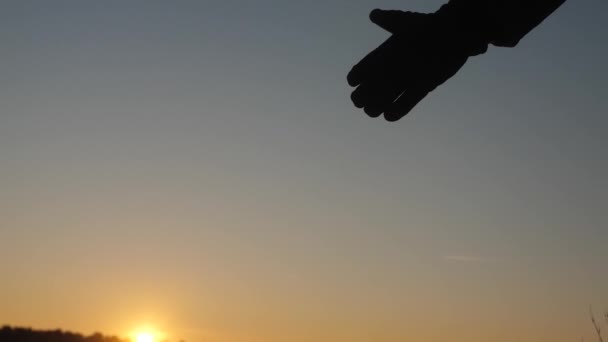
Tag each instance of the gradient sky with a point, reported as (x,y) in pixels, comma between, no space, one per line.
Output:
(197,167)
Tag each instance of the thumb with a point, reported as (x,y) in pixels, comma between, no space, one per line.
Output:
(395,21)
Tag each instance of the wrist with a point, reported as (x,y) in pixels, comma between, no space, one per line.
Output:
(465,25)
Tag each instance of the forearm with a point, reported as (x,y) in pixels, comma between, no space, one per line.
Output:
(519,18)
(499,22)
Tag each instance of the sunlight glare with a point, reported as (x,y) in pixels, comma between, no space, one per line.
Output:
(144,337)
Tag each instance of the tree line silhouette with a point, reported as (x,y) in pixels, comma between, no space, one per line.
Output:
(15,334)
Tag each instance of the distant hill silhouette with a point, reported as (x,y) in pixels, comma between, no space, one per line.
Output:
(14,334)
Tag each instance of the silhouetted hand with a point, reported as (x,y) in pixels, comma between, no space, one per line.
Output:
(424,51)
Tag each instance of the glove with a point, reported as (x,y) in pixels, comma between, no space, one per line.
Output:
(424,51)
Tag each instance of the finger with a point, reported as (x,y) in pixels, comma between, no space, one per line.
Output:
(372,112)
(374,109)
(404,104)
(395,21)
(376,101)
(390,20)
(374,97)
(354,76)
(378,90)
(362,70)
(371,63)
(433,72)
(388,80)
(383,94)
(360,95)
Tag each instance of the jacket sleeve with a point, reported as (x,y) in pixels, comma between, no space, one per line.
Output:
(500,22)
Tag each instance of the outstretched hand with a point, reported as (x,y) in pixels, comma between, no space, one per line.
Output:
(420,55)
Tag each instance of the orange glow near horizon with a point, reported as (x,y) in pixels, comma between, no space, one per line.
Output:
(144,337)
(146,334)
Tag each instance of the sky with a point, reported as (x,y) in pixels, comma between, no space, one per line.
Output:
(197,168)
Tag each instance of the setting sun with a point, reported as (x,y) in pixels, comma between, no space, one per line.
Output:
(144,337)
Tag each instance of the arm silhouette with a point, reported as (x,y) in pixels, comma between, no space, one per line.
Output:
(425,50)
